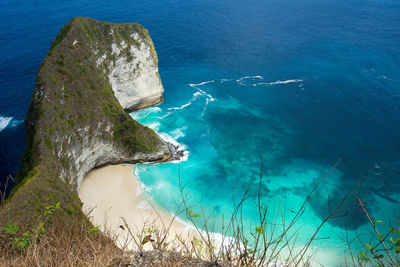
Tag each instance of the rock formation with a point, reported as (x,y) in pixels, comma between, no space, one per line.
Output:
(135,81)
(77,120)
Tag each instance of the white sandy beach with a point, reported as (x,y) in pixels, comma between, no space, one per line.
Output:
(111,193)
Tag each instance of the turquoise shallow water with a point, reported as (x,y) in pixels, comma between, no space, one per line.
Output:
(299,84)
(226,125)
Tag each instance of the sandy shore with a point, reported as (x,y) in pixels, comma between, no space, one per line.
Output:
(111,193)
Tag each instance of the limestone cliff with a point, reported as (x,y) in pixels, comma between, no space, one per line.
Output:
(135,81)
(76,120)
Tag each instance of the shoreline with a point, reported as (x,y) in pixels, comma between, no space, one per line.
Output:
(113,195)
(114,192)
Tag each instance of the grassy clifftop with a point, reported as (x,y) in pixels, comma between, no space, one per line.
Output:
(74,118)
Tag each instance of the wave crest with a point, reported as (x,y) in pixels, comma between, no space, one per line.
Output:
(143,113)
(4,121)
(287,81)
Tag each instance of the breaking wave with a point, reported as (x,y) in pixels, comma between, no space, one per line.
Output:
(194,97)
(143,113)
(181,147)
(4,122)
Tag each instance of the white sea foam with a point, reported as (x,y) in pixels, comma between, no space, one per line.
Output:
(142,186)
(205,107)
(167,138)
(249,77)
(155,125)
(200,84)
(242,79)
(183,106)
(178,133)
(222,242)
(4,121)
(165,115)
(209,97)
(218,240)
(200,92)
(141,114)
(284,82)
(194,97)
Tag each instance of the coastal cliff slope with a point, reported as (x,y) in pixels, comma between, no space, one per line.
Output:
(93,73)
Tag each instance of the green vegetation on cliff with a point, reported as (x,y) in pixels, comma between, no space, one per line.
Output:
(73,114)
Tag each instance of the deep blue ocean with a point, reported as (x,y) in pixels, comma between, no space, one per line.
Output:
(298,84)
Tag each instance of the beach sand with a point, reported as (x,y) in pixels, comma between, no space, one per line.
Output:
(113,192)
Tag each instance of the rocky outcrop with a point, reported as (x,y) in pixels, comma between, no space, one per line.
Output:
(135,81)
(97,152)
(77,117)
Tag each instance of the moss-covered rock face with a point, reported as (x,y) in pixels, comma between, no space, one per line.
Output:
(75,121)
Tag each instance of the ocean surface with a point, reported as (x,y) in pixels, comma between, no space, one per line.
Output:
(298,85)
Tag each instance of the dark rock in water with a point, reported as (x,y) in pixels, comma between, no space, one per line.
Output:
(176,152)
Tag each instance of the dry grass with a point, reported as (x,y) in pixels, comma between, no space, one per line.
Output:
(57,242)
(77,243)
(63,245)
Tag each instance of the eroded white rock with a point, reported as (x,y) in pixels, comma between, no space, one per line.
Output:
(135,80)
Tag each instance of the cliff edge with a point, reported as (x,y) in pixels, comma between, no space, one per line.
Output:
(93,73)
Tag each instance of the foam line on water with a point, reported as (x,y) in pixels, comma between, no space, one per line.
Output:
(202,92)
(220,241)
(249,77)
(142,186)
(4,121)
(194,97)
(205,107)
(168,138)
(141,114)
(200,84)
(155,125)
(164,116)
(209,97)
(287,81)
(279,82)
(242,80)
(217,239)
(176,134)
(182,147)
